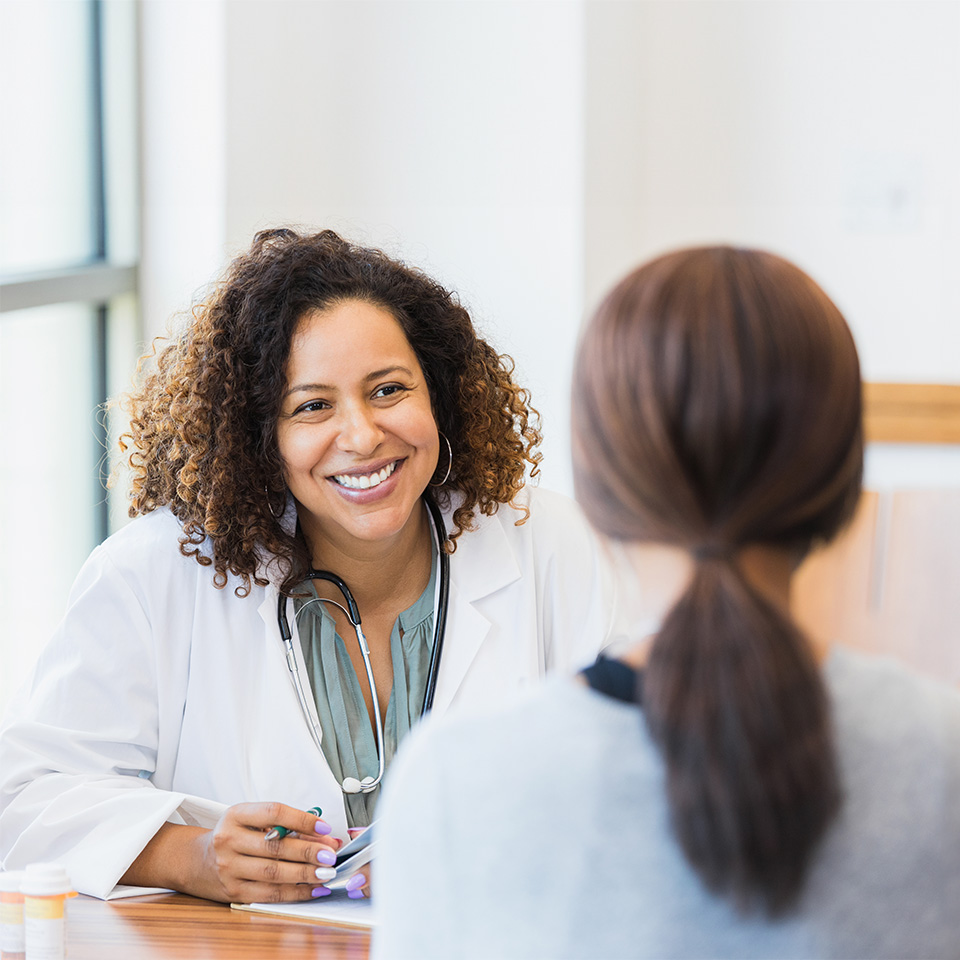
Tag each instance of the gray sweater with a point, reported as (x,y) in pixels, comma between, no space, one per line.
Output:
(543,832)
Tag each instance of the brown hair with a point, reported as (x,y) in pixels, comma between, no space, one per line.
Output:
(717,404)
(203,423)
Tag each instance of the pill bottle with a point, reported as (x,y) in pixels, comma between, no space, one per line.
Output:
(11,916)
(45,888)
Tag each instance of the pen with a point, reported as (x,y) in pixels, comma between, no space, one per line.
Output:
(275,833)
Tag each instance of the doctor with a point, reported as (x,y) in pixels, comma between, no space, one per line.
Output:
(312,407)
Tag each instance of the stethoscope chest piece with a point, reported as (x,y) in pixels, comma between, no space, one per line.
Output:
(366,785)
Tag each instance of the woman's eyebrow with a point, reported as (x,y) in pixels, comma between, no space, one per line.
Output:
(386,371)
(307,388)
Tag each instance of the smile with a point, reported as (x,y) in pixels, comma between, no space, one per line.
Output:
(363,481)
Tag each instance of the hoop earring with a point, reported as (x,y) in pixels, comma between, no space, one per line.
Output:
(273,513)
(449,464)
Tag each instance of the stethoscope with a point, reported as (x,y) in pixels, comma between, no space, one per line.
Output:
(368,784)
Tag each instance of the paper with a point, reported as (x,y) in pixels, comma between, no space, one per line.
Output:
(337,908)
(346,868)
(122,890)
(361,839)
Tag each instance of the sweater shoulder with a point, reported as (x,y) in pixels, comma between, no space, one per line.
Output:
(879,693)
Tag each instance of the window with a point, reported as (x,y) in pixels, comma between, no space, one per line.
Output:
(69,327)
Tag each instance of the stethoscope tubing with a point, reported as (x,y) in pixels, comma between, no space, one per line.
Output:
(443,603)
(368,784)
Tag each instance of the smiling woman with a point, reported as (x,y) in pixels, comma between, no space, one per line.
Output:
(327,411)
(356,434)
(205,424)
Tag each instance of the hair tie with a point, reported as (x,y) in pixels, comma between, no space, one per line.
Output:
(713,551)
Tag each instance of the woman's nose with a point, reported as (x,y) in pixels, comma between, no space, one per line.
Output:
(359,431)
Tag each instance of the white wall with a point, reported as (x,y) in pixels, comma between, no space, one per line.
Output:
(448,133)
(528,152)
(183,153)
(827,132)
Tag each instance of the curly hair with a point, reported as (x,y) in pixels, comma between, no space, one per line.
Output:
(203,422)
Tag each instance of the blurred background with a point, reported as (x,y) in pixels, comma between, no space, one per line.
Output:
(525,152)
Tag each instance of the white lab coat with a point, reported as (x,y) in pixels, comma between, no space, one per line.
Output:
(162,698)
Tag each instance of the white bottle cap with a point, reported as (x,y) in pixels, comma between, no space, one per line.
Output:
(10,881)
(45,880)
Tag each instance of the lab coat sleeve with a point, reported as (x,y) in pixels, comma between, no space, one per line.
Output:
(80,742)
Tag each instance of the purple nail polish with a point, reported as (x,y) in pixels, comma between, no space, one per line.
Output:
(322,828)
(355,894)
(320,892)
(356,882)
(326,856)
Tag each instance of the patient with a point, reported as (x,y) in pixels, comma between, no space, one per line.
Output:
(729,787)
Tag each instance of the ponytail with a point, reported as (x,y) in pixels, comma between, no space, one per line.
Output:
(718,402)
(734,700)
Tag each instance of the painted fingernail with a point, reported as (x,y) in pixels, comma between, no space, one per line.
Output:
(320,892)
(322,828)
(326,873)
(355,894)
(356,882)
(326,856)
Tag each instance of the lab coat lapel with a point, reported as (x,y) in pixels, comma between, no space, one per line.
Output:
(466,630)
(482,564)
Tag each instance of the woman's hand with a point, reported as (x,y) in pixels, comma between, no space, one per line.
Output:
(359,885)
(234,863)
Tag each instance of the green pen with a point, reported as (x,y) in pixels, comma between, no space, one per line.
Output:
(276,833)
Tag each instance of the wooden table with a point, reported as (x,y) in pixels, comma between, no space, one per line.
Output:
(173,926)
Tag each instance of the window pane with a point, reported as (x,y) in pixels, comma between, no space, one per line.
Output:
(120,99)
(123,346)
(48,473)
(47,147)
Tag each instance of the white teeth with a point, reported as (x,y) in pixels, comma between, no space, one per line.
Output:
(367,480)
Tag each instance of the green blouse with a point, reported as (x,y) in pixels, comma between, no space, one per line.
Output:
(349,742)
